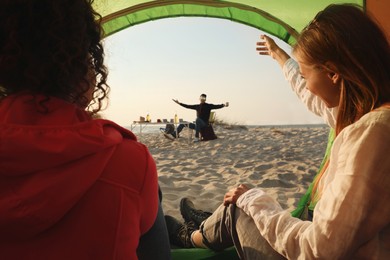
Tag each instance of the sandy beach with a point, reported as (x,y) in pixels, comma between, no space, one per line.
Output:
(281,160)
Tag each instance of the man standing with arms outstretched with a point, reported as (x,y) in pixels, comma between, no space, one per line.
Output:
(202,114)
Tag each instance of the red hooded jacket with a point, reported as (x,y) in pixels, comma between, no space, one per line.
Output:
(71,187)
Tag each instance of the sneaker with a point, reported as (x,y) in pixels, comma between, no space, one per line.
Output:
(190,214)
(168,136)
(179,233)
(196,139)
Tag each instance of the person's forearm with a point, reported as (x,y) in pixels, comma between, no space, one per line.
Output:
(281,57)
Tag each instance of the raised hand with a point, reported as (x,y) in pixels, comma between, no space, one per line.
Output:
(268,47)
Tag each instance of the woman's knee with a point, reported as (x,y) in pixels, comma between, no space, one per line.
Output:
(216,229)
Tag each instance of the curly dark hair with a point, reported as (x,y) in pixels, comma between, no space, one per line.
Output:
(52,48)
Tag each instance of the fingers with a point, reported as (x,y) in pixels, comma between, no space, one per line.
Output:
(243,186)
(263,50)
(266,41)
(232,195)
(226,200)
(265,38)
(264,53)
(263,46)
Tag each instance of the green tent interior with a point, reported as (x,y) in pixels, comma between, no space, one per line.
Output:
(278,18)
(283,19)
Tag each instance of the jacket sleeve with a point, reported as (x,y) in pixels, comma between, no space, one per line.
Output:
(312,102)
(188,106)
(212,106)
(353,208)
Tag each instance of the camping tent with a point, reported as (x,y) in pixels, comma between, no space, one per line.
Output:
(281,18)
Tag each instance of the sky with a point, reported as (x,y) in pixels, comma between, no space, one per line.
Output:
(180,58)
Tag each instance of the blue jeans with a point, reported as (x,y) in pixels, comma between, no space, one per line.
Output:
(199,124)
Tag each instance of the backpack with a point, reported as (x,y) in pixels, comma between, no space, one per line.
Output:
(207,133)
(169,129)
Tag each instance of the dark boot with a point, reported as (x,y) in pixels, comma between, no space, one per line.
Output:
(179,233)
(190,214)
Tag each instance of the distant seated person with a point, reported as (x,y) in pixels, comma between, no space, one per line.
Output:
(203,110)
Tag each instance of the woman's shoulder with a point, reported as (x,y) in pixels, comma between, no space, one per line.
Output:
(378,118)
(374,125)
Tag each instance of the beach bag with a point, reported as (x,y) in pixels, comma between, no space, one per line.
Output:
(207,133)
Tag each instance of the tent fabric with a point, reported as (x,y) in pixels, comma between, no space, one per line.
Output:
(305,198)
(282,18)
(204,254)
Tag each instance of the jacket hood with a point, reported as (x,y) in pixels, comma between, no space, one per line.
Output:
(51,153)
